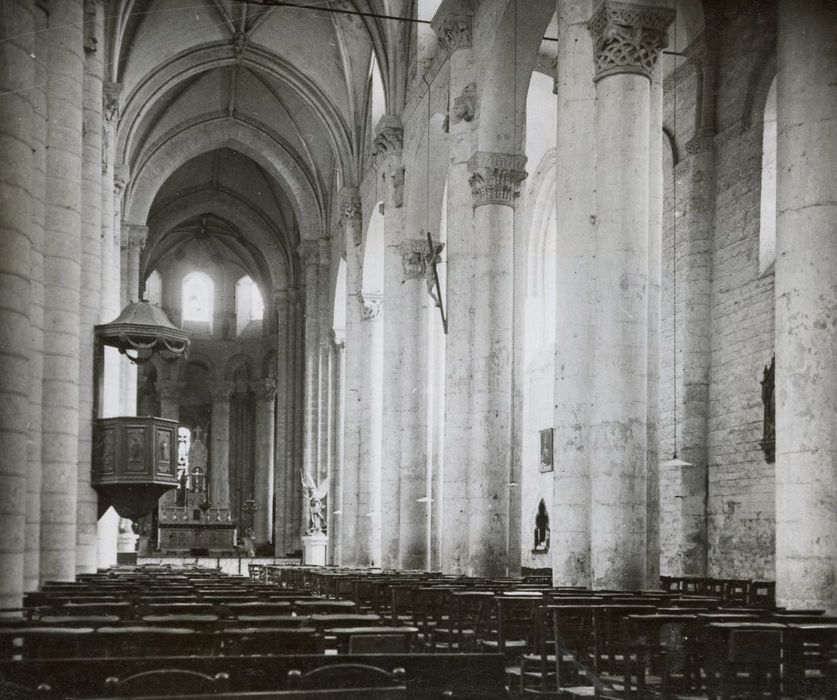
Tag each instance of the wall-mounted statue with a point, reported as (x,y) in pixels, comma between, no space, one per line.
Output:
(316,497)
(541,529)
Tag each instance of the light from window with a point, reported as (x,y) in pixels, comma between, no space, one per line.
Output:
(198,293)
(154,288)
(249,305)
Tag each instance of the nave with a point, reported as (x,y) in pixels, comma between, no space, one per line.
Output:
(312,632)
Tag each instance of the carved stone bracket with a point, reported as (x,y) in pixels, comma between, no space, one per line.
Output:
(393,178)
(264,389)
(495,177)
(628,38)
(121,175)
(239,44)
(701,143)
(416,258)
(453,30)
(222,391)
(465,106)
(371,304)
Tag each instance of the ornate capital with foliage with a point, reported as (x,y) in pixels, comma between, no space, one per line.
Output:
(309,252)
(416,258)
(453,30)
(628,38)
(495,177)
(134,236)
(170,389)
(371,304)
(350,213)
(389,137)
(222,390)
(265,388)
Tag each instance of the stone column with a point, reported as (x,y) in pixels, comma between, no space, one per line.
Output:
(350,214)
(219,456)
(494,180)
(36,310)
(404,439)
(309,252)
(806,307)
(627,39)
(170,391)
(683,546)
(110,282)
(265,391)
(132,241)
(91,276)
(62,276)
(454,31)
(575,225)
(281,447)
(335,497)
(325,318)
(369,523)
(17,143)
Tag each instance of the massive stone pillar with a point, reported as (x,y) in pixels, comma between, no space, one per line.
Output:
(91,277)
(292,500)
(265,391)
(62,276)
(627,39)
(347,509)
(575,224)
(17,144)
(404,462)
(219,455)
(495,179)
(36,312)
(454,31)
(170,391)
(806,307)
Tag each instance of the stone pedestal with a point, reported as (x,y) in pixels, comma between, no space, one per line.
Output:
(314,549)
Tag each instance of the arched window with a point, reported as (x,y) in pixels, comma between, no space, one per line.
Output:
(154,288)
(767,216)
(249,305)
(377,106)
(198,298)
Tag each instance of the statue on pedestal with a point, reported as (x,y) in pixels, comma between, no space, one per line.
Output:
(315,496)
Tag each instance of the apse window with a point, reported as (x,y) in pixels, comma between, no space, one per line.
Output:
(767,220)
(198,293)
(249,305)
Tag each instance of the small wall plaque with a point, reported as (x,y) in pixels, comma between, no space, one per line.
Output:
(546,454)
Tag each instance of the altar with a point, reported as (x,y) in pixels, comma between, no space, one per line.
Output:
(185,536)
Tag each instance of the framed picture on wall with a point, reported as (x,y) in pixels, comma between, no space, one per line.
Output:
(546,450)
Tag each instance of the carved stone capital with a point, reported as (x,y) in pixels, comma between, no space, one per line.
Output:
(134,236)
(453,30)
(325,252)
(389,137)
(264,389)
(350,214)
(495,177)
(309,252)
(701,143)
(222,391)
(628,38)
(416,258)
(170,389)
(465,105)
(111,103)
(371,304)
(121,175)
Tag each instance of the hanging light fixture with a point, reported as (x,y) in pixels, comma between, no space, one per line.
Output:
(675,461)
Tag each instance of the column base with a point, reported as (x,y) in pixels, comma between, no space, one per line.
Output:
(314,549)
